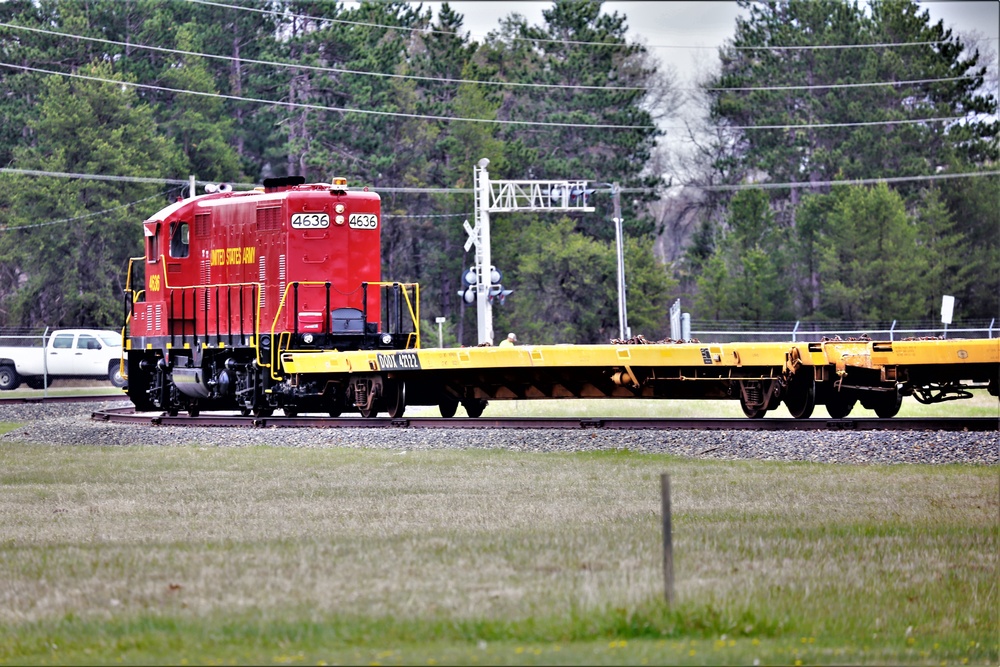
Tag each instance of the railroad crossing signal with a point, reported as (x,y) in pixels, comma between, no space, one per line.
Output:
(495,290)
(505,197)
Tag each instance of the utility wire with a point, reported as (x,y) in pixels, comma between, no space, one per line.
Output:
(10,228)
(424,191)
(320,107)
(314,68)
(855,181)
(561,41)
(337,70)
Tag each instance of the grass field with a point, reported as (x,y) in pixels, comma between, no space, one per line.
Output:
(205,555)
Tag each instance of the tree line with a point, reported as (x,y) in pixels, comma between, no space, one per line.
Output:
(392,97)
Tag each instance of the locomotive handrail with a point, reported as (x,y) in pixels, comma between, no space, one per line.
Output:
(167,287)
(414,313)
(285,338)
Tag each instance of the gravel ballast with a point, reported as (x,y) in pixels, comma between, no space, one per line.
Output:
(71,424)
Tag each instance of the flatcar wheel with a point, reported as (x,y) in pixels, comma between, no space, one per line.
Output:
(888,407)
(475,407)
(752,413)
(395,398)
(335,412)
(193,410)
(290,411)
(369,413)
(838,406)
(265,411)
(448,407)
(244,411)
(801,398)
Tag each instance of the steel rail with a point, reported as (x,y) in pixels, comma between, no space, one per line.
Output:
(127,415)
(79,398)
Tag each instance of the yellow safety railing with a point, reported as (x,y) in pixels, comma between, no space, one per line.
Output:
(282,341)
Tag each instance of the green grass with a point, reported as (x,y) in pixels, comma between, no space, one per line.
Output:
(209,555)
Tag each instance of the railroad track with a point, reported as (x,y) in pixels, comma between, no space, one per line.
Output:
(74,398)
(129,416)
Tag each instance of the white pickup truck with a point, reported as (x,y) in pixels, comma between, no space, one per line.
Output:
(68,353)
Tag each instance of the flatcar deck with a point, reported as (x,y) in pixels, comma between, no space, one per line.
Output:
(761,375)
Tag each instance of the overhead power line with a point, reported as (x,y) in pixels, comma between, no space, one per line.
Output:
(823,86)
(318,19)
(425,191)
(854,181)
(413,77)
(6,228)
(315,68)
(320,107)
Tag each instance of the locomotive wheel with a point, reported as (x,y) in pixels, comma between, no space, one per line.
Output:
(193,410)
(290,411)
(448,407)
(800,398)
(335,412)
(244,411)
(395,398)
(9,379)
(265,411)
(475,407)
(838,406)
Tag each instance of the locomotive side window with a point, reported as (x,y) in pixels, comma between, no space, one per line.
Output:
(180,239)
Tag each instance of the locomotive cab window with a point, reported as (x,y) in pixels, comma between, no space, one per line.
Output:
(180,239)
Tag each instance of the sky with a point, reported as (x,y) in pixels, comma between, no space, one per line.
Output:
(672,26)
(685,34)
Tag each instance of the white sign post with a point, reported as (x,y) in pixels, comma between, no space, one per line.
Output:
(947,310)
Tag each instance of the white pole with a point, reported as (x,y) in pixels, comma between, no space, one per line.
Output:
(484,309)
(622,309)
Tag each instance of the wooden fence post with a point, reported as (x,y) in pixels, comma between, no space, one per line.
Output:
(668,549)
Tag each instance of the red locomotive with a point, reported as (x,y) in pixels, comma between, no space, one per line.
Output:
(233,278)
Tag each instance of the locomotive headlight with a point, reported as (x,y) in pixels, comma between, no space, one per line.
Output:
(307,339)
(339,220)
(386,339)
(339,208)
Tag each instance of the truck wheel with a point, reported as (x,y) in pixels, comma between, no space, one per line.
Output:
(115,374)
(35,381)
(9,379)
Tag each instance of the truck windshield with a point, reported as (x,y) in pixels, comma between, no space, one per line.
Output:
(111,339)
